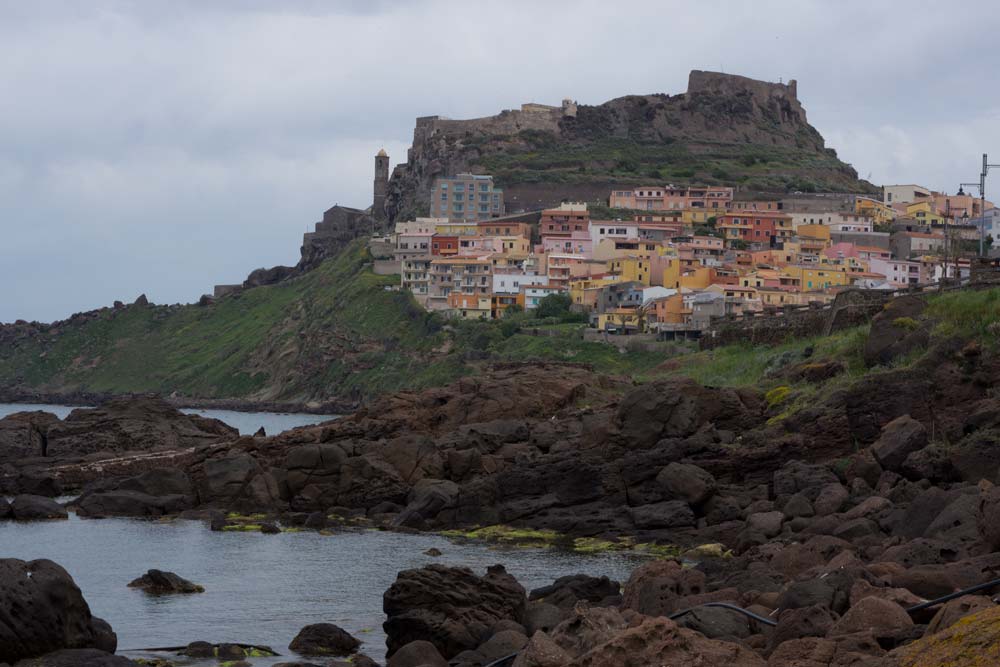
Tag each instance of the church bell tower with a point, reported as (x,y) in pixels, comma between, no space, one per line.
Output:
(381,186)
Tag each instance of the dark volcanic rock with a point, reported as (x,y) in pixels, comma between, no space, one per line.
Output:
(43,611)
(24,434)
(897,330)
(153,493)
(449,606)
(417,653)
(130,424)
(158,582)
(678,408)
(36,508)
(324,639)
(565,592)
(900,438)
(83,657)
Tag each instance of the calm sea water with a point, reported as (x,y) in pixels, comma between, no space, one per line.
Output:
(246,422)
(260,589)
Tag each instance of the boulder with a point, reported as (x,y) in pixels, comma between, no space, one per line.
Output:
(852,651)
(659,641)
(970,643)
(900,438)
(81,657)
(811,621)
(681,481)
(677,408)
(542,616)
(501,644)
(831,499)
(132,424)
(417,653)
(36,508)
(988,517)
(39,484)
(427,498)
(158,582)
(43,611)
(587,627)
(565,592)
(666,514)
(884,618)
(449,606)
(324,639)
(797,506)
(655,588)
(716,623)
(24,434)
(541,651)
(953,610)
(767,524)
(130,503)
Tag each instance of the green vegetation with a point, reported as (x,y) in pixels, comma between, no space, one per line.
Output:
(527,537)
(968,312)
(338,332)
(630,161)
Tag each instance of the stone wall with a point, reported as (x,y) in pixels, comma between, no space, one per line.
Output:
(851,308)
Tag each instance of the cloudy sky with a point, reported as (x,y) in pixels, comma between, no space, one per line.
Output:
(165,146)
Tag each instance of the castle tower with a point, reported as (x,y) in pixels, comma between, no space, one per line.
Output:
(381,186)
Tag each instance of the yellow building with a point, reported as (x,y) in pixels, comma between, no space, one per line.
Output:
(775,298)
(672,273)
(808,277)
(608,249)
(470,306)
(456,228)
(628,319)
(925,214)
(631,269)
(879,212)
(699,278)
(698,216)
(585,292)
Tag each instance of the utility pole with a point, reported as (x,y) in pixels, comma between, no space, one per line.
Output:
(982,204)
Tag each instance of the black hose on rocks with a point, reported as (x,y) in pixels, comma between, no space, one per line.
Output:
(951,596)
(507,659)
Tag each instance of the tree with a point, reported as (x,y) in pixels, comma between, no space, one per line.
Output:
(554,305)
(512,310)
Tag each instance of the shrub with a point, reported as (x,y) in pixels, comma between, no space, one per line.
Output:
(777,396)
(554,305)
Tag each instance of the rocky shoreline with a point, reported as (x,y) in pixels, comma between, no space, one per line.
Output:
(835,521)
(85,399)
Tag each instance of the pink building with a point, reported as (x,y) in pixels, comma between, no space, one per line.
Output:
(577,243)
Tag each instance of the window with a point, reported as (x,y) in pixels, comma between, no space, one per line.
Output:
(444,196)
(484,187)
(472,196)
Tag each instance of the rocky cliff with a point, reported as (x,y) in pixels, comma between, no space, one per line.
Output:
(725,129)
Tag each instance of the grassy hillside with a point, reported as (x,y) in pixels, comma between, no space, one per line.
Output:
(336,333)
(630,162)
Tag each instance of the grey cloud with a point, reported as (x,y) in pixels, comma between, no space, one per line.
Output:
(161,147)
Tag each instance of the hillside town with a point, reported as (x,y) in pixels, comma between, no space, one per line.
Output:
(667,259)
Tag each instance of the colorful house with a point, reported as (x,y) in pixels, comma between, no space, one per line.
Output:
(470,306)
